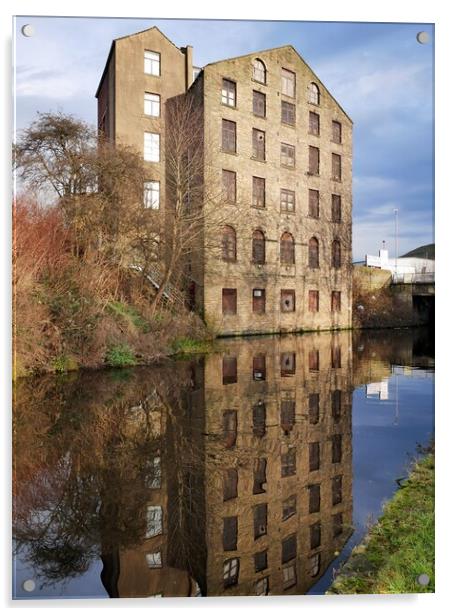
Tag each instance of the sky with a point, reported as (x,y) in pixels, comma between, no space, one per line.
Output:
(382,77)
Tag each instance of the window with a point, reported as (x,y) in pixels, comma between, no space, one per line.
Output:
(287,300)
(315,535)
(229,185)
(155,473)
(259,71)
(260,561)
(313,360)
(336,254)
(289,575)
(287,415)
(258,192)
(313,301)
(287,364)
(313,94)
(289,507)
(229,302)
(262,587)
(313,160)
(259,104)
(313,203)
(314,498)
(288,463)
(287,200)
(258,144)
(336,208)
(313,408)
(313,253)
(288,83)
(259,367)
(228,93)
(337,524)
(313,457)
(229,369)
(154,560)
(228,244)
(230,533)
(229,136)
(313,123)
(315,564)
(337,490)
(153,521)
(259,419)
(260,520)
(336,405)
(230,425)
(152,104)
(152,147)
(336,131)
(289,548)
(288,113)
(336,449)
(258,247)
(287,255)
(230,572)
(151,195)
(336,355)
(287,155)
(152,63)
(230,483)
(336,167)
(259,476)
(336,301)
(259,301)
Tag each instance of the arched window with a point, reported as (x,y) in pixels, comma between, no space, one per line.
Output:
(313,253)
(287,249)
(259,71)
(258,247)
(313,94)
(228,244)
(336,254)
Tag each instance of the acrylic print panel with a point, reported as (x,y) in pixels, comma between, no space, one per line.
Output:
(155,455)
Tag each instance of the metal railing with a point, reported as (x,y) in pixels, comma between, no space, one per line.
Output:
(414,278)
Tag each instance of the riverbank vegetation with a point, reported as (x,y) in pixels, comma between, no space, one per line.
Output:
(400,547)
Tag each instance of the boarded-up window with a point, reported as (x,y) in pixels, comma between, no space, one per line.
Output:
(230,533)
(313,203)
(313,301)
(336,404)
(288,113)
(337,490)
(289,548)
(315,535)
(229,369)
(314,458)
(337,524)
(336,356)
(258,247)
(287,300)
(314,564)
(230,483)
(336,302)
(287,252)
(336,448)
(336,208)
(336,167)
(259,420)
(229,185)
(313,123)
(287,155)
(228,92)
(259,104)
(313,253)
(228,243)
(336,254)
(228,136)
(336,131)
(313,360)
(229,301)
(314,498)
(259,367)
(287,364)
(313,160)
(289,507)
(258,144)
(259,71)
(288,83)
(287,200)
(259,475)
(260,561)
(287,415)
(259,520)
(313,94)
(259,301)
(289,576)
(230,425)
(258,192)
(230,572)
(313,408)
(288,462)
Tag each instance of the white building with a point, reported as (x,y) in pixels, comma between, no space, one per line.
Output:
(404,269)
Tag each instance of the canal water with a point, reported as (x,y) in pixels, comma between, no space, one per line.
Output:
(253,470)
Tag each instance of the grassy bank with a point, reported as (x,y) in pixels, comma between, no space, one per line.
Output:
(400,547)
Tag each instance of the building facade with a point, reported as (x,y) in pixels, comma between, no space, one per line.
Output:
(279,149)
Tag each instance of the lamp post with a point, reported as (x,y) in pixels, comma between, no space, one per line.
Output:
(395,211)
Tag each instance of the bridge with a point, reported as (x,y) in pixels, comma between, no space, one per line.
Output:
(419,290)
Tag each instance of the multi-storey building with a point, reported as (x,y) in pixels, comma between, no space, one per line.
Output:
(279,147)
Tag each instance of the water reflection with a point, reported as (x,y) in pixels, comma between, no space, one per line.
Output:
(226,475)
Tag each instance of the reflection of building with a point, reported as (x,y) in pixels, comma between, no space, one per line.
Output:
(380,389)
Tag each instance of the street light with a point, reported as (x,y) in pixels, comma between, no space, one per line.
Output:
(395,211)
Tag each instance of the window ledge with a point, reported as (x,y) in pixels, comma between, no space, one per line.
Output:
(228,106)
(288,124)
(291,167)
(314,134)
(258,160)
(228,152)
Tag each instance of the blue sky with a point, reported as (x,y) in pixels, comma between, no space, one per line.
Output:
(379,74)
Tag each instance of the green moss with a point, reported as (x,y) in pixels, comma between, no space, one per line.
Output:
(64,363)
(129,314)
(186,346)
(120,355)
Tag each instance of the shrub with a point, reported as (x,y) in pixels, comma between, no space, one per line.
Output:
(120,355)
